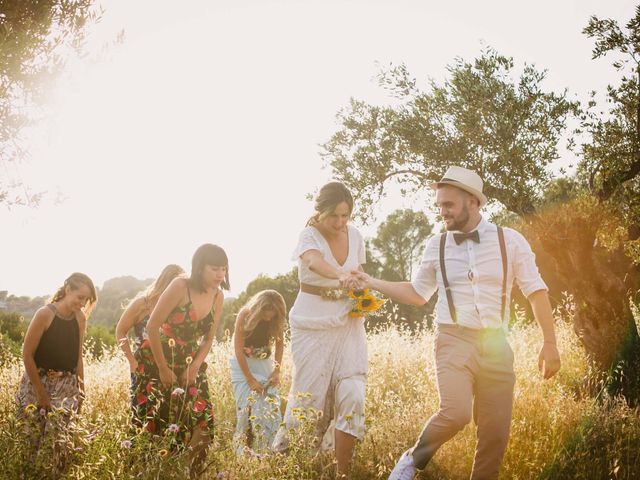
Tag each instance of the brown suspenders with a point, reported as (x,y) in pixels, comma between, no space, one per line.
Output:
(443,271)
(503,254)
(445,281)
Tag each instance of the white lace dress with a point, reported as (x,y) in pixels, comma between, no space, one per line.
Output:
(329,349)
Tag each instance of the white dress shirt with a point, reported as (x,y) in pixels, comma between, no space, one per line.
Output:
(474,271)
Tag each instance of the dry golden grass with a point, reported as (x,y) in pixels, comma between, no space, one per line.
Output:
(557,430)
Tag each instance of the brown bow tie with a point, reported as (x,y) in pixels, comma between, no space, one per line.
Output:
(461,237)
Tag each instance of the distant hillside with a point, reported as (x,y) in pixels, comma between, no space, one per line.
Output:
(115,293)
(114,296)
(25,306)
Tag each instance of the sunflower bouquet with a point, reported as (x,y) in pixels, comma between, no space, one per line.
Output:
(365,302)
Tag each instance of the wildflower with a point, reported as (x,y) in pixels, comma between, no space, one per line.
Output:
(163,452)
(252,418)
(172,342)
(188,360)
(221,475)
(125,444)
(30,408)
(193,391)
(199,405)
(177,391)
(42,412)
(173,428)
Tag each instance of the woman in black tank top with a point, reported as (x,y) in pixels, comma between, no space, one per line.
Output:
(52,352)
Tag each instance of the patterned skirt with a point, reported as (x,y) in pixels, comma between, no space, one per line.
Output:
(62,389)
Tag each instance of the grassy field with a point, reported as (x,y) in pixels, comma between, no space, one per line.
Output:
(557,430)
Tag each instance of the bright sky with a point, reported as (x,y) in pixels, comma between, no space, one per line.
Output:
(204,124)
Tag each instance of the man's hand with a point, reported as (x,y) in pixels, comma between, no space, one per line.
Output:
(351,281)
(549,360)
(361,279)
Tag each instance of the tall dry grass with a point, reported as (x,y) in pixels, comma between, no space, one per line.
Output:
(558,431)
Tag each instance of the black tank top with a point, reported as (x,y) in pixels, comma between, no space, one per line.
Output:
(259,337)
(59,345)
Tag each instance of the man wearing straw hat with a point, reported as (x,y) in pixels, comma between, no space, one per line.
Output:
(472,266)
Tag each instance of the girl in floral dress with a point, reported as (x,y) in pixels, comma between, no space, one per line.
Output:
(254,376)
(172,394)
(136,316)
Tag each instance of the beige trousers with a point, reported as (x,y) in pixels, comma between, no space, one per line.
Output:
(475,376)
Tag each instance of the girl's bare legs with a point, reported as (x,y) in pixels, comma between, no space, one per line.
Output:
(199,443)
(345,445)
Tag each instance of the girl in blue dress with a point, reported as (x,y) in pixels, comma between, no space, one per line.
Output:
(255,375)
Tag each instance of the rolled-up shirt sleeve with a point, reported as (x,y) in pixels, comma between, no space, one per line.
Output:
(525,269)
(424,281)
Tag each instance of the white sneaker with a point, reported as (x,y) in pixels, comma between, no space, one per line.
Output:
(404,469)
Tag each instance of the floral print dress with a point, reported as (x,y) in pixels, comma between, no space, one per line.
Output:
(174,411)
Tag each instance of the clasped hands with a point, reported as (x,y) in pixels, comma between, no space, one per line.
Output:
(355,280)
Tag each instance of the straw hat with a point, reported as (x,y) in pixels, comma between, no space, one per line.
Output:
(463,178)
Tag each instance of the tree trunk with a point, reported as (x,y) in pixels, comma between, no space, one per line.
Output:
(601,280)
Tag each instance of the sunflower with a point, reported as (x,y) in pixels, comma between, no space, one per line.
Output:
(368,303)
(365,303)
(357,294)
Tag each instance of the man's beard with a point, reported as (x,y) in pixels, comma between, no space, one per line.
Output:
(460,221)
